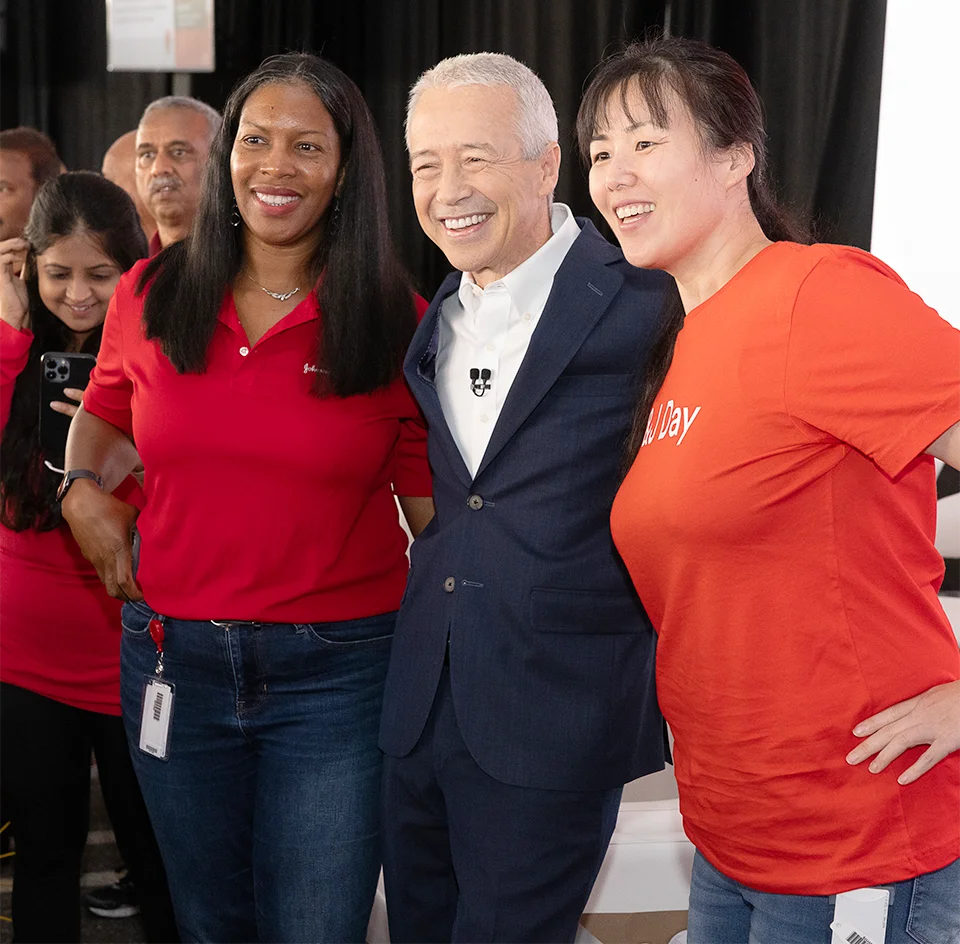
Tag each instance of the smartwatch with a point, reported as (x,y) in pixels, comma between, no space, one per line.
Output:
(70,477)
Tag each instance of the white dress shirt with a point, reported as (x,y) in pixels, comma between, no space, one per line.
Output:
(490,329)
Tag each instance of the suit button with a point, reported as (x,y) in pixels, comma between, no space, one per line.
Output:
(475,502)
(449,584)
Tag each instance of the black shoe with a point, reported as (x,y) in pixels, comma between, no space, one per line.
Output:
(118,900)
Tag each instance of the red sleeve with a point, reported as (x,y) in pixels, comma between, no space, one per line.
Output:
(129,490)
(14,352)
(869,363)
(411,476)
(110,390)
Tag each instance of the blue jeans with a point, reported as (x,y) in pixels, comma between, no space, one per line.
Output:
(923,910)
(266,811)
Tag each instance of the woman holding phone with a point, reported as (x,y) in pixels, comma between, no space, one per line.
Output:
(60,645)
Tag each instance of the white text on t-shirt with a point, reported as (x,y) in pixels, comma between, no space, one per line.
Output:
(670,420)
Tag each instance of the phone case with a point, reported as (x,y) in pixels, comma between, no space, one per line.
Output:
(59,369)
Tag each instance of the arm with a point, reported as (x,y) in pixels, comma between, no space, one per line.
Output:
(15,330)
(101,524)
(931,718)
(417,511)
(947,446)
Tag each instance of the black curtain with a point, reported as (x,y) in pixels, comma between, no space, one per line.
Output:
(385,45)
(55,78)
(816,63)
(817,66)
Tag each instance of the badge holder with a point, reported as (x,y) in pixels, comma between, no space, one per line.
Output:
(860,916)
(156,711)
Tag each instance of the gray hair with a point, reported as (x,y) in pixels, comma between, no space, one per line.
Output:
(536,115)
(185,101)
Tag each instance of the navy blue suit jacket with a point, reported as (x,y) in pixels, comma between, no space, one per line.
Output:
(551,653)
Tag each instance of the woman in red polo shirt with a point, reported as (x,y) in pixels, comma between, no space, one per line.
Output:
(778,522)
(60,645)
(257,367)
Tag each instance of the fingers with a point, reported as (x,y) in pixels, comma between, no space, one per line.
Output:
(14,244)
(126,585)
(123,569)
(68,409)
(887,716)
(932,718)
(117,573)
(13,252)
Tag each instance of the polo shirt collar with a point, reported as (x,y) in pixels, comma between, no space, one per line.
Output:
(307,310)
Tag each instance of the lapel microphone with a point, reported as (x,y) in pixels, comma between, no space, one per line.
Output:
(479,381)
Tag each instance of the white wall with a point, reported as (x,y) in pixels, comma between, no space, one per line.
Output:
(916,203)
(916,207)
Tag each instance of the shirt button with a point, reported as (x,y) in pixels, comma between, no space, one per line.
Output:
(244,351)
(475,502)
(484,418)
(449,584)
(491,348)
(526,316)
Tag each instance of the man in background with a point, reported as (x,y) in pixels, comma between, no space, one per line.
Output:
(28,160)
(172,143)
(119,167)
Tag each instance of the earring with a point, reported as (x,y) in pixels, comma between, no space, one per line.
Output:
(235,215)
(335,215)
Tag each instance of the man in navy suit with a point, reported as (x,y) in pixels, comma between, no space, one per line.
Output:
(520,695)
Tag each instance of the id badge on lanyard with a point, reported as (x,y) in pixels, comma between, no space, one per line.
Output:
(156,711)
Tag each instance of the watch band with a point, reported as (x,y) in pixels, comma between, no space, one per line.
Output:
(70,477)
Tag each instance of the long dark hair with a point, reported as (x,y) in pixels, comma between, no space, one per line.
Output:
(727,111)
(366,304)
(71,204)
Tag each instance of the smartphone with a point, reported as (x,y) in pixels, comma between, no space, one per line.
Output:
(59,369)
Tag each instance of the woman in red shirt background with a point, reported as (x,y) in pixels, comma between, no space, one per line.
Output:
(256,365)
(60,640)
(778,522)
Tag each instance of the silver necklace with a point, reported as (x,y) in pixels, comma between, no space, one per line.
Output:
(279,296)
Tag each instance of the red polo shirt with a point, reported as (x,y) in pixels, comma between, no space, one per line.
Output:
(263,502)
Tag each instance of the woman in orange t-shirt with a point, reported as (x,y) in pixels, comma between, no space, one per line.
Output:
(778,521)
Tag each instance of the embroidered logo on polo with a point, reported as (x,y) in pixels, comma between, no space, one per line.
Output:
(313,369)
(669,421)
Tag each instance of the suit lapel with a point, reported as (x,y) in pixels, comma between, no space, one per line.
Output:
(420,370)
(582,290)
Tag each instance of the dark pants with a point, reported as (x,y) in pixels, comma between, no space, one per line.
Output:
(267,807)
(467,858)
(46,789)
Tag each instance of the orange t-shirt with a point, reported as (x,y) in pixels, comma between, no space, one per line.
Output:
(779,524)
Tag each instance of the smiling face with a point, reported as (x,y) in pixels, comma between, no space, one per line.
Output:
(76,279)
(285,165)
(661,192)
(477,197)
(172,147)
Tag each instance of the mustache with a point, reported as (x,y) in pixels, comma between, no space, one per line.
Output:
(171,180)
